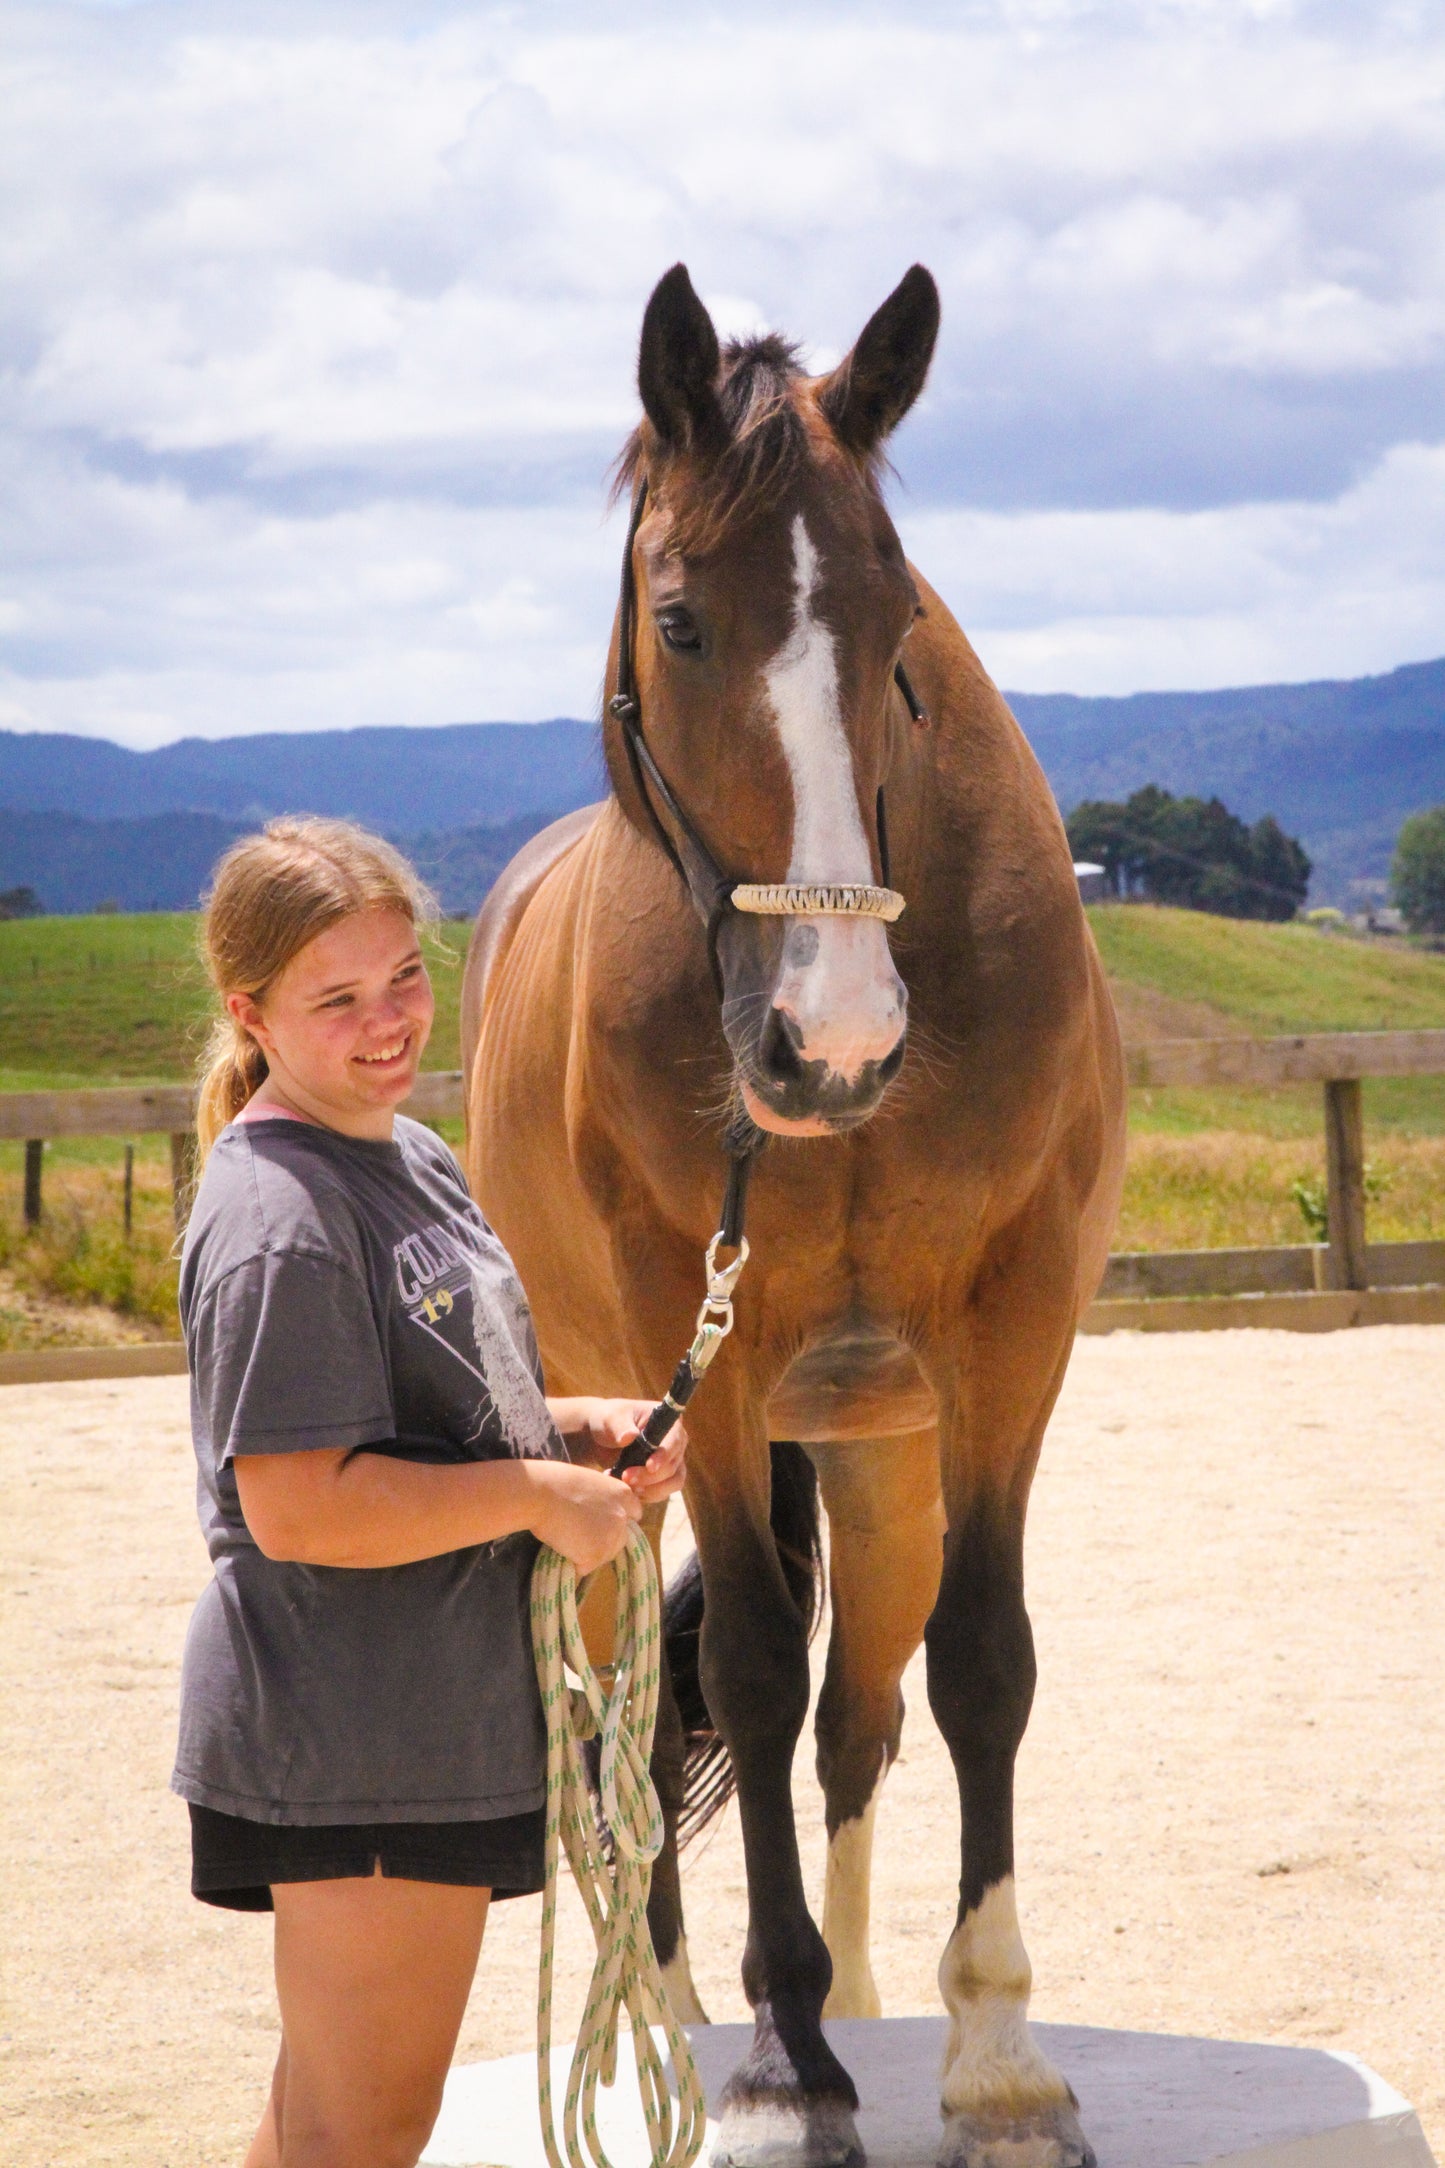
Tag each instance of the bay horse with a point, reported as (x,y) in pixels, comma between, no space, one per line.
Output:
(944,1100)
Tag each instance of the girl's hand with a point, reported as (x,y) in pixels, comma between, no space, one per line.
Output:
(584,1515)
(596,1430)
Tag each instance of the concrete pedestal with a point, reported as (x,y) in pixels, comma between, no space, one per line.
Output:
(1147,2100)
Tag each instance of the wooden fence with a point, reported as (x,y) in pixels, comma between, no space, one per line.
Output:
(1347,1280)
(128,1110)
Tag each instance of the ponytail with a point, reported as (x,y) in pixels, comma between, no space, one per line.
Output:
(233,1069)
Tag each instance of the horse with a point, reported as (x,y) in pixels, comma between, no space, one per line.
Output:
(719,942)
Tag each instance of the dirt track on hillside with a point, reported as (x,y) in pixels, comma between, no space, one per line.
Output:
(1229,1799)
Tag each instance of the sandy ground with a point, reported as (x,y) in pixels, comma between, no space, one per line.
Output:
(1229,1800)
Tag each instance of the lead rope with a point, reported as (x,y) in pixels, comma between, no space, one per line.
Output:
(625,1975)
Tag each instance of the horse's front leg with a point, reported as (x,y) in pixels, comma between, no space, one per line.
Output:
(1004,2104)
(885,1544)
(791,2099)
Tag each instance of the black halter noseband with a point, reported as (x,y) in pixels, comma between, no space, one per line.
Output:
(714,892)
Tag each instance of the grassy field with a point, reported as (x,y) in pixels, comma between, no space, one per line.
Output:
(78,1280)
(115,1000)
(109,1000)
(1180,974)
(1272,979)
(123,999)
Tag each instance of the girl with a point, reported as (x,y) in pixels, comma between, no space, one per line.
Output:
(361,1737)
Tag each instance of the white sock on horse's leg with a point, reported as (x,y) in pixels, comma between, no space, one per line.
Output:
(681,1992)
(986,1978)
(846,1901)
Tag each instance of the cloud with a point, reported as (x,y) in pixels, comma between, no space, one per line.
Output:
(1099,602)
(318,327)
(143,613)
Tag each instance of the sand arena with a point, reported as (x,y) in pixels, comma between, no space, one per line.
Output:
(1229,1797)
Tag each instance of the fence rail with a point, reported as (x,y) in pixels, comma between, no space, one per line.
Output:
(1315,1057)
(142,1110)
(1322,1057)
(1346,1280)
(136,1110)
(1301,1269)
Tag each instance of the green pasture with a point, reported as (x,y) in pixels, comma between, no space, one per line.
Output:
(123,999)
(116,1000)
(1273,979)
(1265,981)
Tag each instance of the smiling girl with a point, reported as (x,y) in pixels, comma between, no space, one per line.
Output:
(361,1739)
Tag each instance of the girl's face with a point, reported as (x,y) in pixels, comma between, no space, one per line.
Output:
(344,1025)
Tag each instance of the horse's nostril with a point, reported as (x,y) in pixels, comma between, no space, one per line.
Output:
(892,1062)
(779,1052)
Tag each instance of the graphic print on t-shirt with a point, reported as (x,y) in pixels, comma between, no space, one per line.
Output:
(434,1270)
(521,1410)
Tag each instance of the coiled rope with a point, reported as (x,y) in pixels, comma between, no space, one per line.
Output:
(625,1976)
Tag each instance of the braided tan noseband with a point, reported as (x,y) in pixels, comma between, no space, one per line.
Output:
(816,899)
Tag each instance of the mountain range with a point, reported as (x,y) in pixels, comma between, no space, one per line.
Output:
(82,821)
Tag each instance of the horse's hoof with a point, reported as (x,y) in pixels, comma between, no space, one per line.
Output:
(1043,2138)
(787,2134)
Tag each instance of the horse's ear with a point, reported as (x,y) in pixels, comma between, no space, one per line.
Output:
(871,390)
(677,365)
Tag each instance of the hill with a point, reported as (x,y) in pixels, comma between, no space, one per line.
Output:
(115,997)
(1184,974)
(123,998)
(1269,979)
(455,776)
(163,861)
(1339,764)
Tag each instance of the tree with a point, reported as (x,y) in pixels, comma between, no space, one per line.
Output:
(1417,876)
(20,903)
(1281,864)
(1193,852)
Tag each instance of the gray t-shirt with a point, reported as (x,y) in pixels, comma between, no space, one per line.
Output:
(340,1292)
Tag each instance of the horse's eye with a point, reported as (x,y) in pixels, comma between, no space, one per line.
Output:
(679,629)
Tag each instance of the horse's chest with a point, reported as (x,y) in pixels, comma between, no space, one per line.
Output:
(857,1382)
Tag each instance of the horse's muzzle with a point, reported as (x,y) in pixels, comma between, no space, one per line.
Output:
(787,1092)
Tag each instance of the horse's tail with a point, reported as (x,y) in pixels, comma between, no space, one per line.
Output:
(708,1778)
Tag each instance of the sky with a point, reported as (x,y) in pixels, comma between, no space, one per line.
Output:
(318,325)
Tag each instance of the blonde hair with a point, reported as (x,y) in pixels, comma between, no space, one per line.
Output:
(272,894)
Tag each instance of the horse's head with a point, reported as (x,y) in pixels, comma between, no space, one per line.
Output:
(772,600)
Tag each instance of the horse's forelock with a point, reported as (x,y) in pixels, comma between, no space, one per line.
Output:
(767,445)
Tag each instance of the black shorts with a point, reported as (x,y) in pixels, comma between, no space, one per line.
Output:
(234,1862)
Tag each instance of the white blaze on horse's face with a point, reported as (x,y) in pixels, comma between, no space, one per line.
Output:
(837,982)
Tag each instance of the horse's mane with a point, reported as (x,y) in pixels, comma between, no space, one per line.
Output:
(767,443)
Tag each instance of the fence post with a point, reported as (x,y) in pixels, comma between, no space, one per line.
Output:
(1345,1164)
(127,1209)
(34,1154)
(183,1175)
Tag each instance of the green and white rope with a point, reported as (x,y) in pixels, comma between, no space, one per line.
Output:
(625,1976)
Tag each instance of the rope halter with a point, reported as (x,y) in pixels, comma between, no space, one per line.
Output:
(816,899)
